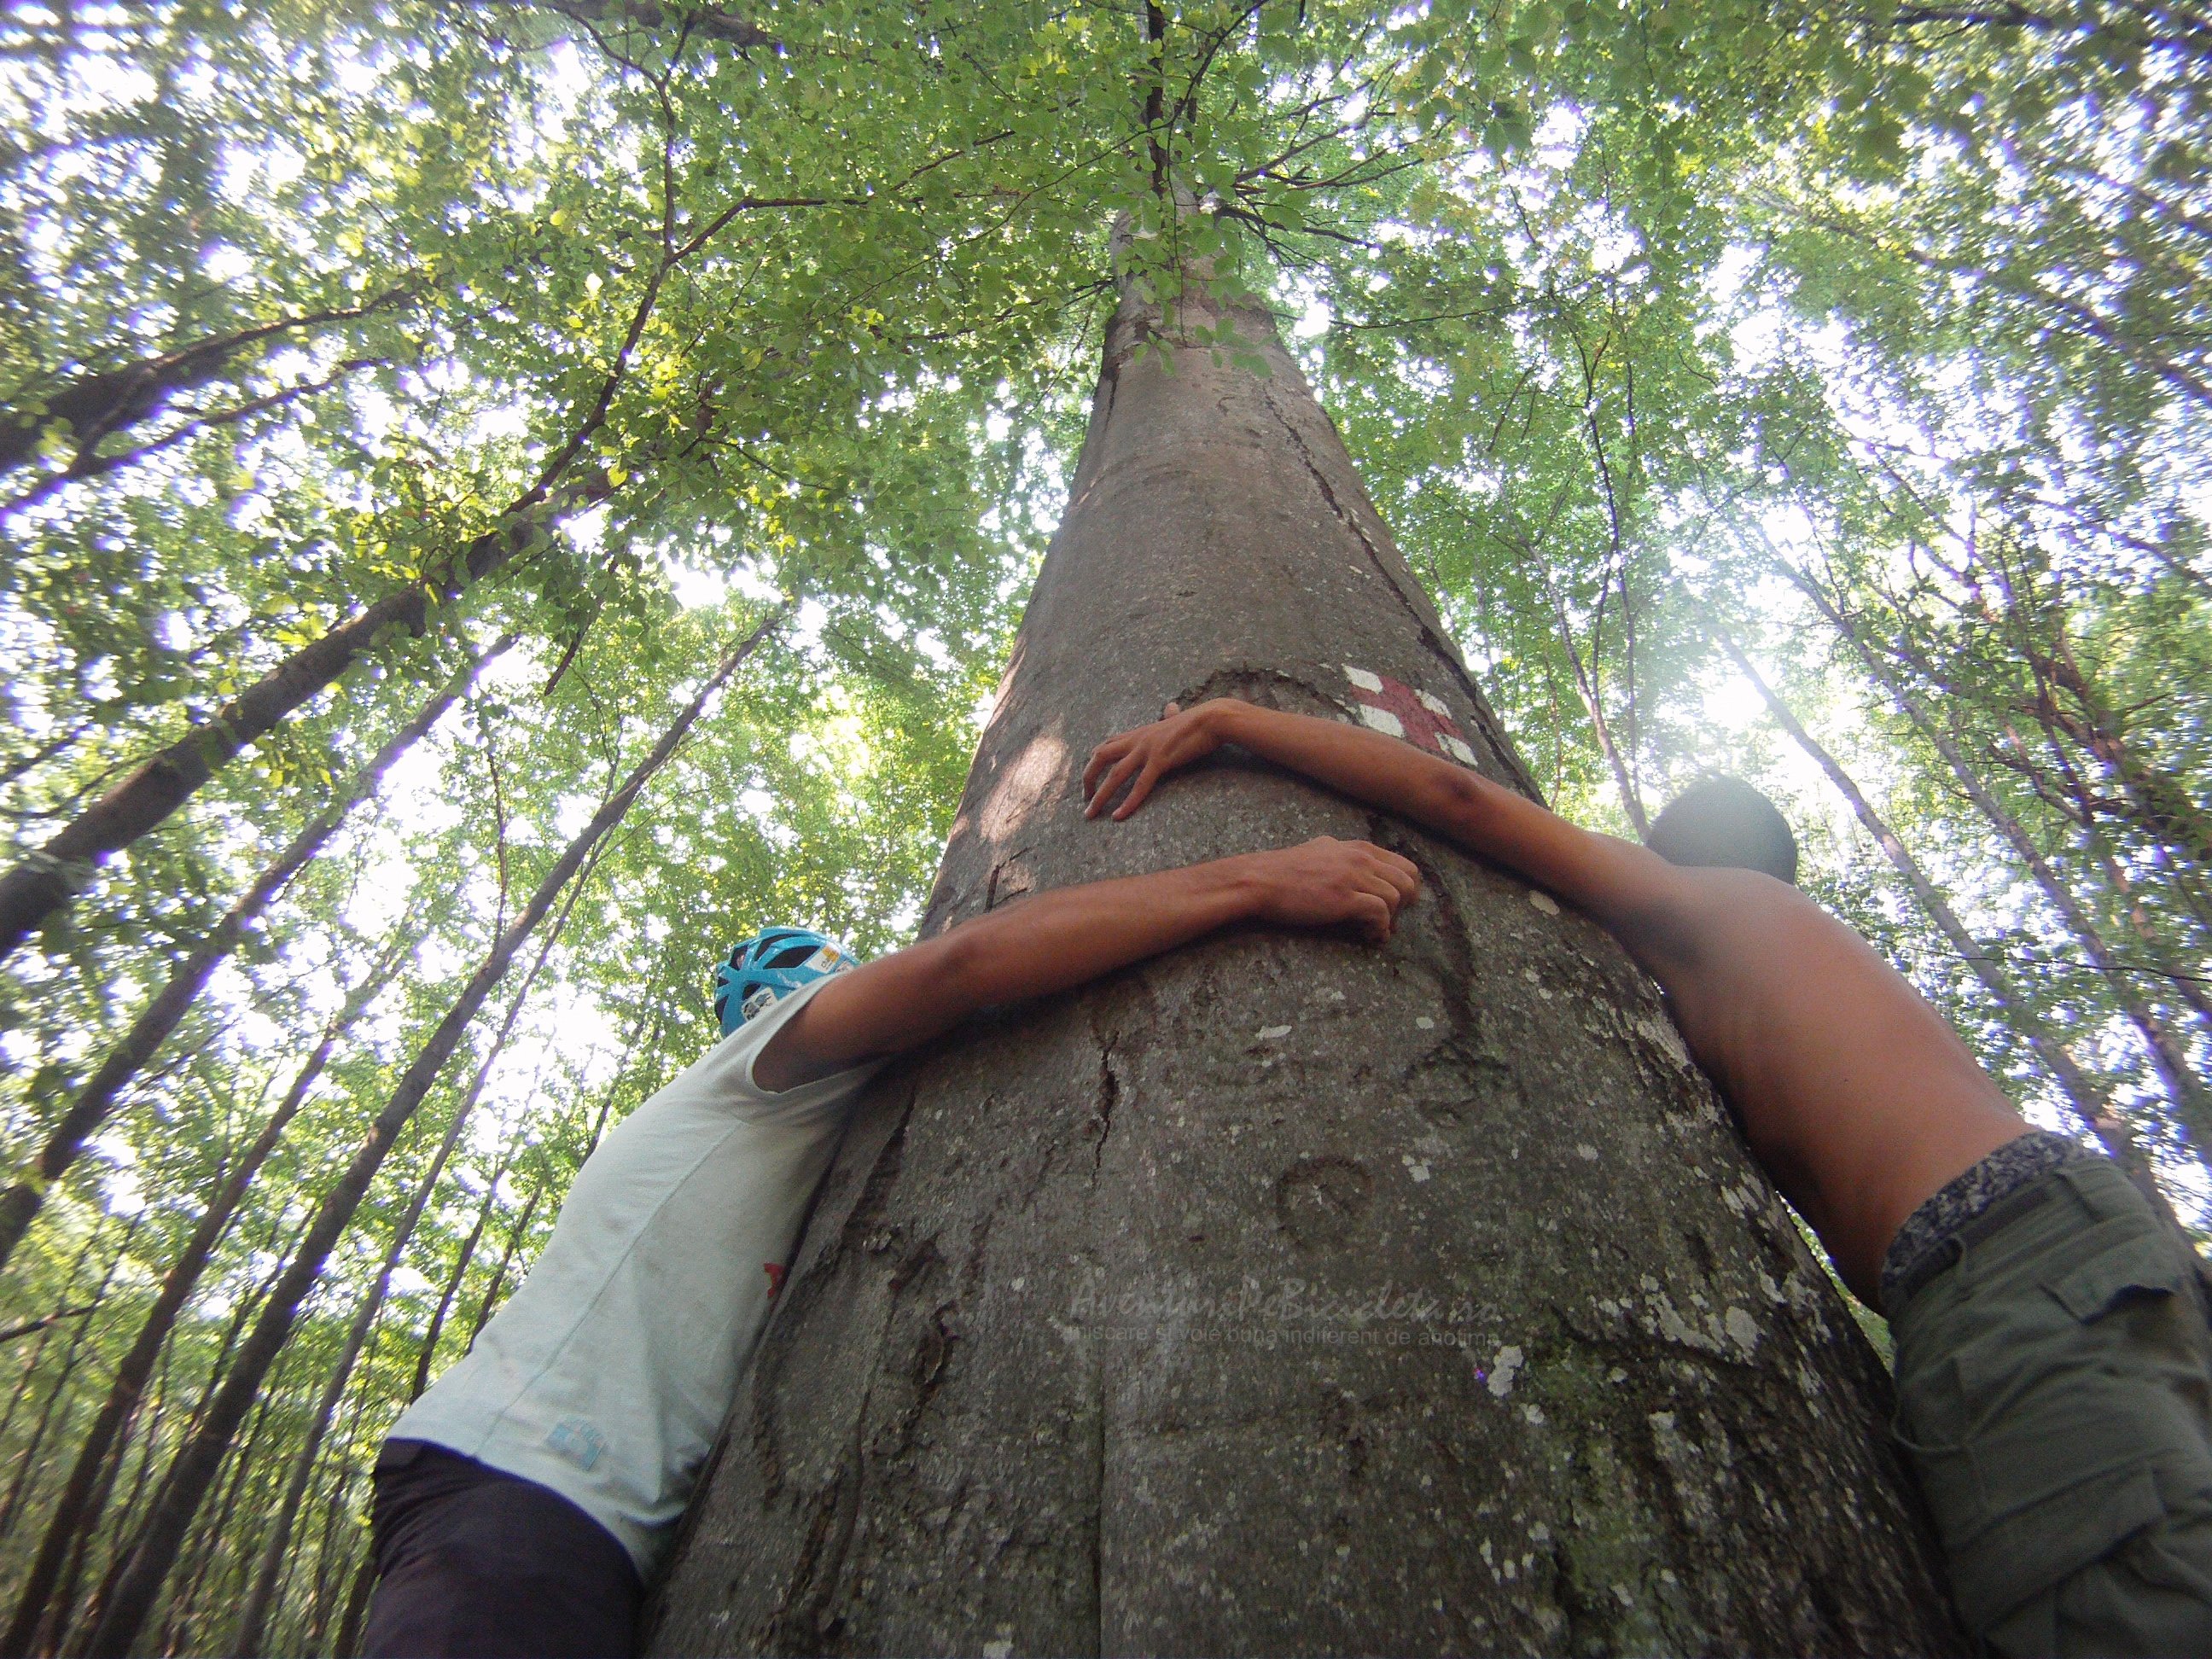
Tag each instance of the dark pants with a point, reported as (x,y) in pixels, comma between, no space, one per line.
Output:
(475,1564)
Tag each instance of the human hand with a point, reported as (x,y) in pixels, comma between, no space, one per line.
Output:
(1148,753)
(1326,881)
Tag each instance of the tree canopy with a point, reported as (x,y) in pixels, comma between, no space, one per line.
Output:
(405,408)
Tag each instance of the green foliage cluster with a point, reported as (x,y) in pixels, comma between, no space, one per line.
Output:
(1862,348)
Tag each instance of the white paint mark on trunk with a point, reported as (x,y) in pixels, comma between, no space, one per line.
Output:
(1503,1369)
(1382,720)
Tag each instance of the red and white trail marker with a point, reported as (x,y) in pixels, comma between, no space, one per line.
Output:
(1397,710)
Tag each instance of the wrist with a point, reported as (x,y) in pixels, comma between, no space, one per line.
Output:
(1226,719)
(1246,884)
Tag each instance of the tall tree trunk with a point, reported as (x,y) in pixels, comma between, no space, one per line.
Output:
(357,1595)
(2090,1103)
(1284,1295)
(215,1528)
(46,879)
(426,1351)
(519,1235)
(28,1465)
(2169,1055)
(31,1369)
(255,1611)
(125,1611)
(95,1102)
(94,406)
(1588,688)
(72,1510)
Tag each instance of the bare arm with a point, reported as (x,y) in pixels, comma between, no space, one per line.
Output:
(1628,889)
(1858,1097)
(1056,941)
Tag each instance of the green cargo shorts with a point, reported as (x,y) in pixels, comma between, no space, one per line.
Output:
(2054,1391)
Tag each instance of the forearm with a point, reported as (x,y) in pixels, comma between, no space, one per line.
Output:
(1052,941)
(1613,880)
(1046,943)
(1353,761)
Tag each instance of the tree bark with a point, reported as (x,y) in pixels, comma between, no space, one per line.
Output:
(124,1611)
(20,1203)
(1284,1295)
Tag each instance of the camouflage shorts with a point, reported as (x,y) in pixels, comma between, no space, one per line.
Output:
(2054,1399)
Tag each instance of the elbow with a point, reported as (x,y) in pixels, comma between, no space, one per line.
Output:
(1461,800)
(959,974)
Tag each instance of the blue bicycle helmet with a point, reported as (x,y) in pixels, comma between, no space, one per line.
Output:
(772,964)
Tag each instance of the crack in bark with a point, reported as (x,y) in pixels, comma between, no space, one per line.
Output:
(815,1577)
(1110,1094)
(1248,681)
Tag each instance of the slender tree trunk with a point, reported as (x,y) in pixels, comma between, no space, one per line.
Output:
(30,1370)
(278,1535)
(519,1235)
(214,1528)
(489,1304)
(2184,1088)
(96,1100)
(2161,804)
(425,1351)
(328,1583)
(93,407)
(2090,1104)
(125,1613)
(2189,988)
(45,879)
(1284,1295)
(28,1466)
(357,1595)
(53,1626)
(255,1611)
(1586,686)
(72,1512)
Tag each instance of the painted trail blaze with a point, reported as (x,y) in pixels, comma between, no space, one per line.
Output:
(1398,710)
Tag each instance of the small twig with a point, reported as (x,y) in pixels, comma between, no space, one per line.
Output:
(33,1327)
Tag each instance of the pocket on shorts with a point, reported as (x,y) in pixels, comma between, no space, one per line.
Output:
(2028,1551)
(2056,1329)
(2130,1267)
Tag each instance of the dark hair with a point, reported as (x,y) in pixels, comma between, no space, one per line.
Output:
(1725,823)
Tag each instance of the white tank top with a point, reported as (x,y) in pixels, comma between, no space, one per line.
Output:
(608,1373)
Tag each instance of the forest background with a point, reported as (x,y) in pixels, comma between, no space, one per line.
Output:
(550,487)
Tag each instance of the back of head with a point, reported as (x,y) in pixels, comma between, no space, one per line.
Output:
(1725,823)
(769,966)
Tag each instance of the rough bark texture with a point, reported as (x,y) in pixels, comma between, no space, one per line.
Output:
(1284,1295)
